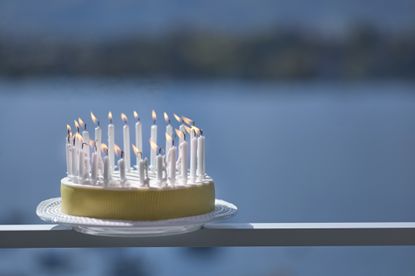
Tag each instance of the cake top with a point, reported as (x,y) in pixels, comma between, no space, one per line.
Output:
(93,162)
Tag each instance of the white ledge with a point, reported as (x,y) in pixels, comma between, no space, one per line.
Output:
(221,234)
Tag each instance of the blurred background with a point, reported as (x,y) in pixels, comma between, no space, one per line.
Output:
(308,110)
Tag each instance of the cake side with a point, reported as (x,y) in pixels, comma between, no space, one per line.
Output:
(137,204)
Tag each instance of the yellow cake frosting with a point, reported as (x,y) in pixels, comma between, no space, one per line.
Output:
(137,203)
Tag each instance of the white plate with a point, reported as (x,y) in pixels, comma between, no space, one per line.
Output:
(50,211)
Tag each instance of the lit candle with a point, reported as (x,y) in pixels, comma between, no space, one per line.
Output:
(138,136)
(74,159)
(94,167)
(181,127)
(107,166)
(111,141)
(153,139)
(138,154)
(169,131)
(98,132)
(201,155)
(126,140)
(82,168)
(193,154)
(190,123)
(121,164)
(171,163)
(183,155)
(68,151)
(160,166)
(85,133)
(144,178)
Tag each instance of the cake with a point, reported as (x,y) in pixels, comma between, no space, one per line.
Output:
(103,183)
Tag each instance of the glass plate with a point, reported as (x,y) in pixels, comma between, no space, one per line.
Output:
(50,211)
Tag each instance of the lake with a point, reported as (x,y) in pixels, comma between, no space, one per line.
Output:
(282,152)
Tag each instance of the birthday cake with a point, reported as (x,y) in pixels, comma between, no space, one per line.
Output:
(103,183)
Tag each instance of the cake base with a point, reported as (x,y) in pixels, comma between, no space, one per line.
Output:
(144,204)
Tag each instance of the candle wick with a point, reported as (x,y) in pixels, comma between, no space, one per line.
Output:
(122,154)
(97,123)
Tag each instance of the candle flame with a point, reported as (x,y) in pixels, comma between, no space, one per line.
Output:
(166,118)
(177,117)
(68,128)
(153,146)
(179,133)
(124,118)
(136,150)
(187,120)
(104,148)
(75,122)
(188,129)
(196,130)
(94,119)
(110,117)
(82,123)
(153,116)
(117,150)
(136,117)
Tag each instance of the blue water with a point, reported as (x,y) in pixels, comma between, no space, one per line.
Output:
(281,152)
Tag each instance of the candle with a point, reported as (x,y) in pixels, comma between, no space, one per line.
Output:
(181,127)
(82,166)
(169,141)
(138,136)
(139,156)
(169,131)
(94,167)
(98,132)
(107,171)
(126,140)
(160,166)
(171,163)
(68,151)
(121,164)
(153,139)
(193,157)
(182,155)
(74,159)
(201,155)
(111,141)
(85,133)
(144,179)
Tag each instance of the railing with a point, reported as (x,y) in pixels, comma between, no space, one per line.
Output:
(221,234)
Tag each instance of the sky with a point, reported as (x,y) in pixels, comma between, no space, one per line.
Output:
(97,19)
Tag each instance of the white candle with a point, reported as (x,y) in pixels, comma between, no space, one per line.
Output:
(193,156)
(121,167)
(160,160)
(171,163)
(85,133)
(126,140)
(82,166)
(153,138)
(111,141)
(183,160)
(69,159)
(144,179)
(201,156)
(138,136)
(169,131)
(107,171)
(94,167)
(98,132)
(74,159)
